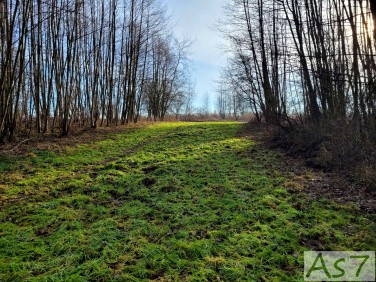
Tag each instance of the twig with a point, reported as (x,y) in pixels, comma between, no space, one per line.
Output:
(19,144)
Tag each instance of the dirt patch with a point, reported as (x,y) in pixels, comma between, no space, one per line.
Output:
(313,181)
(150,169)
(148,182)
(318,184)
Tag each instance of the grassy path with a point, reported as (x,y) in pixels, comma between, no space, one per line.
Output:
(169,202)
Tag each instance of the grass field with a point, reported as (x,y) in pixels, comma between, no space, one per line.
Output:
(167,202)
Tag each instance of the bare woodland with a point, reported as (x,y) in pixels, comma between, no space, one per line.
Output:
(308,68)
(302,57)
(67,63)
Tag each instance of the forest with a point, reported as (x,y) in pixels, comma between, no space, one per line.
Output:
(87,63)
(101,179)
(309,58)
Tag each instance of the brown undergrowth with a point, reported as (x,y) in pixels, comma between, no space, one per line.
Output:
(309,175)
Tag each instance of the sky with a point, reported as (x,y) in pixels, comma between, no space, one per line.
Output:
(197,21)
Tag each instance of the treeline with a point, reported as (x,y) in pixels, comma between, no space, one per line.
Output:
(311,58)
(87,63)
(309,67)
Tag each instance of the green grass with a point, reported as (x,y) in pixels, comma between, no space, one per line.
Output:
(168,202)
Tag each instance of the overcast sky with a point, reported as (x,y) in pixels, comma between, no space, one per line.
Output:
(196,20)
